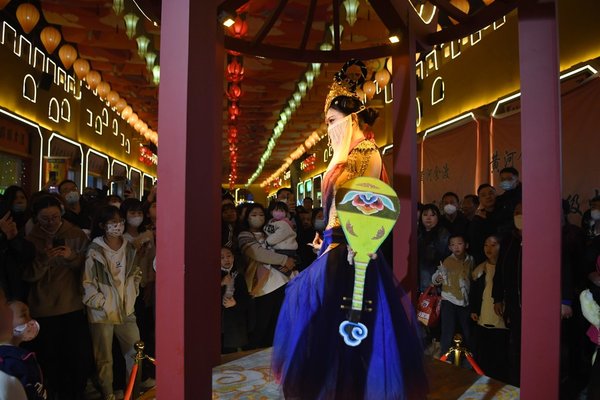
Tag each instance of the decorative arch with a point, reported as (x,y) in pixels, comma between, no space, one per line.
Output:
(30,88)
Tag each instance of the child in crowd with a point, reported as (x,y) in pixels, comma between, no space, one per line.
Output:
(235,302)
(454,276)
(491,334)
(111,282)
(18,362)
(281,236)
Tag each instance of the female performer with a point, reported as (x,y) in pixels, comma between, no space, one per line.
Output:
(310,358)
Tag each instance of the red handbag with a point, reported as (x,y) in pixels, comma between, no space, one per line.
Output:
(428,307)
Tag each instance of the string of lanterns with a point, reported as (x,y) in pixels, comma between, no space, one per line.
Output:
(234,74)
(28,17)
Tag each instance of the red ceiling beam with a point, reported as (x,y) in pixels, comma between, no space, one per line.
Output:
(266,28)
(307,27)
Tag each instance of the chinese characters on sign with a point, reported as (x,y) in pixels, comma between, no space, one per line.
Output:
(508,160)
(436,173)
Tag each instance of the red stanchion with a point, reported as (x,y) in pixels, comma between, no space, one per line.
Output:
(138,357)
(458,350)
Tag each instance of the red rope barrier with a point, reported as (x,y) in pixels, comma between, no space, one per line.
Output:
(131,383)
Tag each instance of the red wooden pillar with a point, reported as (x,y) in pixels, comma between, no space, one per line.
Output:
(405,163)
(189,175)
(542,172)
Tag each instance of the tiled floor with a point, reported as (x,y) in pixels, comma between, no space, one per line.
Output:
(250,378)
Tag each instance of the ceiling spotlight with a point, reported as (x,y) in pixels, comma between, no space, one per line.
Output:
(394,39)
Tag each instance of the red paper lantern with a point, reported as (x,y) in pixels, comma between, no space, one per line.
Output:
(141,158)
(234,92)
(239,28)
(235,72)
(234,109)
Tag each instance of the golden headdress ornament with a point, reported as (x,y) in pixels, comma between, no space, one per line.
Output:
(346,80)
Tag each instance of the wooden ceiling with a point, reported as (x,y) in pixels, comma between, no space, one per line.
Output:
(283,39)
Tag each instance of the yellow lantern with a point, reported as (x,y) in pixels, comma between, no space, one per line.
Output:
(121,104)
(50,37)
(93,78)
(81,68)
(112,97)
(138,125)
(67,55)
(133,119)
(28,16)
(369,88)
(103,89)
(126,113)
(382,77)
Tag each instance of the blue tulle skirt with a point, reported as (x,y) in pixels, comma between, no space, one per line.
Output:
(310,358)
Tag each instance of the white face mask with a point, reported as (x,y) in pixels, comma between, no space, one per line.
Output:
(519,222)
(338,130)
(509,184)
(115,229)
(28,331)
(449,209)
(340,135)
(595,214)
(135,221)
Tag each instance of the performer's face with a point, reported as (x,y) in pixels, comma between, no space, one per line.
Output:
(333,116)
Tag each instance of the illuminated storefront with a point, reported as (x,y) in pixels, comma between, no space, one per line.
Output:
(52,127)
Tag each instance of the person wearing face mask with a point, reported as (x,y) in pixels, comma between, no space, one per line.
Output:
(507,201)
(19,362)
(75,212)
(506,292)
(15,252)
(453,219)
(63,345)
(111,282)
(310,358)
(280,234)
(266,275)
(144,242)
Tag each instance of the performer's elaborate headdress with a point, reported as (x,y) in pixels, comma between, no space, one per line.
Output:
(346,80)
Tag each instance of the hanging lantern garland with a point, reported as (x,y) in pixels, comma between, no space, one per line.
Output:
(234,73)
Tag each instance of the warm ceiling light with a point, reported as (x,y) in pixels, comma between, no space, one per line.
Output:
(28,16)
(150,59)
(310,77)
(50,37)
(394,39)
(326,46)
(332,28)
(229,22)
(302,87)
(142,42)
(67,54)
(351,7)
(118,6)
(93,78)
(81,68)
(156,74)
(131,21)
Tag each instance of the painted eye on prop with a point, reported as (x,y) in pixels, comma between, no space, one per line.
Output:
(368,203)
